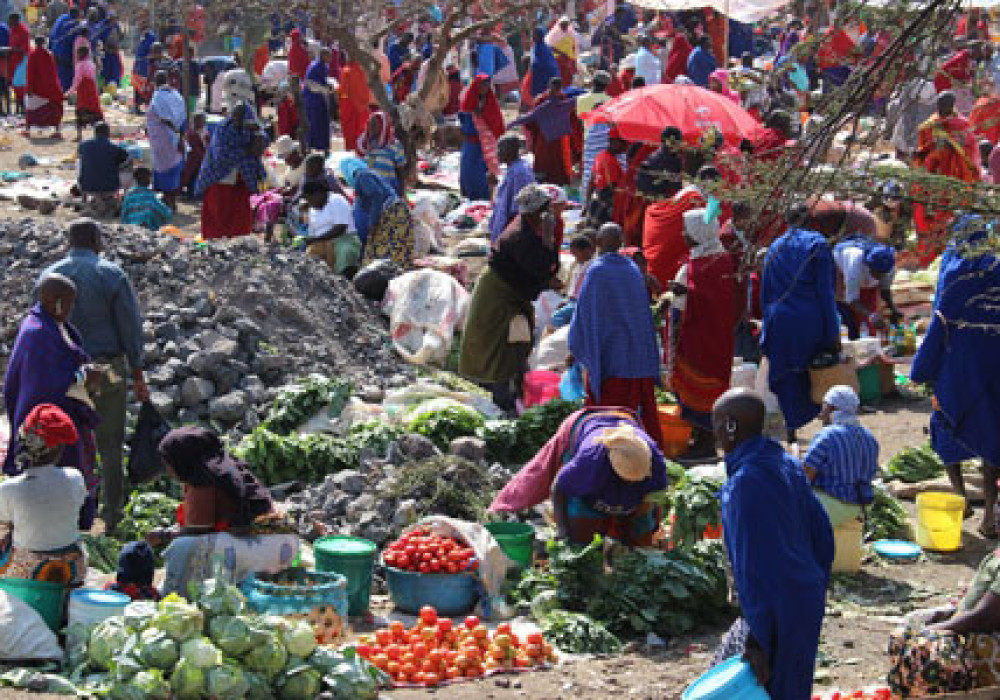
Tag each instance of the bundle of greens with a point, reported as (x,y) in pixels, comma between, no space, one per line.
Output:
(298,403)
(633,591)
(886,518)
(694,506)
(443,425)
(579,634)
(915,464)
(517,441)
(144,512)
(445,485)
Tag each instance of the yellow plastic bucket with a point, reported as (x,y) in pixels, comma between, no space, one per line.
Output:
(939,521)
(847,542)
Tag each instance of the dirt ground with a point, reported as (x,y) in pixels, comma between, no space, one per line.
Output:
(862,609)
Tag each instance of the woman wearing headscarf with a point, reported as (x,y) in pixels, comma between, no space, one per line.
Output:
(43,100)
(382,219)
(316,95)
(225,510)
(551,126)
(482,124)
(166,120)
(677,59)
(354,96)
(563,41)
(49,366)
(842,459)
(383,152)
(498,335)
(41,507)
(702,326)
(232,171)
(298,55)
(598,469)
(718,81)
(543,64)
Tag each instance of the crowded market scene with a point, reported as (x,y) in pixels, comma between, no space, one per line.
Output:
(523,348)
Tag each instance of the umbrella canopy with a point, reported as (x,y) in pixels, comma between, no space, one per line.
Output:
(641,115)
(985,118)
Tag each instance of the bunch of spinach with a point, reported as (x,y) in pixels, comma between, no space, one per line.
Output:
(577,633)
(145,512)
(517,441)
(445,424)
(301,401)
(694,506)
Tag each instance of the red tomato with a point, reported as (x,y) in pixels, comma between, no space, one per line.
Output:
(444,624)
(435,565)
(402,561)
(420,651)
(428,615)
(383,637)
(471,622)
(424,568)
(504,628)
(534,638)
(364,651)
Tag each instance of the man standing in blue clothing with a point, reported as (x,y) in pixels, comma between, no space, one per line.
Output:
(108,317)
(780,546)
(61,40)
(519,175)
(701,62)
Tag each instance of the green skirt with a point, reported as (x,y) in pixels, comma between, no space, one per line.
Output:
(486,354)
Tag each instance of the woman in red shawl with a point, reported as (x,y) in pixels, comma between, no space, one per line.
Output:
(403,79)
(298,55)
(43,101)
(677,59)
(261,57)
(482,123)
(354,96)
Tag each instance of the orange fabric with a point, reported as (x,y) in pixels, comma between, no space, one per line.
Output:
(715,27)
(261,58)
(985,118)
(946,146)
(353,86)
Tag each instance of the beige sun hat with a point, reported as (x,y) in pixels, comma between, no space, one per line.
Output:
(628,453)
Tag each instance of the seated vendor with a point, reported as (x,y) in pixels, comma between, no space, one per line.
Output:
(951,648)
(842,459)
(599,468)
(225,510)
(134,577)
(39,509)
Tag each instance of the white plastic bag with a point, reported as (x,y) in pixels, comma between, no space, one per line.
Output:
(425,307)
(24,635)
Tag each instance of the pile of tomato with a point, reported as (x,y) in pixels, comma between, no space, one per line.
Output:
(878,694)
(436,650)
(421,550)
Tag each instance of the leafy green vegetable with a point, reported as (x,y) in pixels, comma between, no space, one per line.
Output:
(180,619)
(145,512)
(300,402)
(445,485)
(230,634)
(517,441)
(915,464)
(188,681)
(226,682)
(300,683)
(151,685)
(299,638)
(215,597)
(887,518)
(201,652)
(157,650)
(347,675)
(102,552)
(579,634)
(267,655)
(694,506)
(105,639)
(444,425)
(258,687)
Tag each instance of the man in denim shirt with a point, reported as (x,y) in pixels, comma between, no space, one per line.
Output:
(108,317)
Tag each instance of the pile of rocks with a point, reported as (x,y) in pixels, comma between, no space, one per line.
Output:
(226,323)
(369,502)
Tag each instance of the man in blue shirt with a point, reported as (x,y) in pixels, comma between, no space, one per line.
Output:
(519,175)
(100,161)
(701,62)
(108,317)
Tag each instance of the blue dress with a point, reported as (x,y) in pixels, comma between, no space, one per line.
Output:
(473,174)
(961,361)
(800,318)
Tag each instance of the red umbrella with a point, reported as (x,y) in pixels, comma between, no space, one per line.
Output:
(985,118)
(641,115)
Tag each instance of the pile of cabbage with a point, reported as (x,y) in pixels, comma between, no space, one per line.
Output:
(212,648)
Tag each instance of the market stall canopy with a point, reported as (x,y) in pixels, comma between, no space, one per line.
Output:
(641,115)
(740,10)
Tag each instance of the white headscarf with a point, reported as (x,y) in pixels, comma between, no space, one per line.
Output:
(704,233)
(845,405)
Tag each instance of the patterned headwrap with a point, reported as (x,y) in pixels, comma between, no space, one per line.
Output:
(845,405)
(531,199)
(46,427)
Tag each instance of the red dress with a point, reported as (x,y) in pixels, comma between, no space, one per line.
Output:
(663,233)
(288,117)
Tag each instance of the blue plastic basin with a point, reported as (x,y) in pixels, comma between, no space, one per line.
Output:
(733,679)
(449,594)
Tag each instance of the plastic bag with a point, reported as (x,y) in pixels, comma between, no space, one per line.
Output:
(425,307)
(373,279)
(144,457)
(24,635)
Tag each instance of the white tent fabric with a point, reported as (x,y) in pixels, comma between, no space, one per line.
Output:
(740,10)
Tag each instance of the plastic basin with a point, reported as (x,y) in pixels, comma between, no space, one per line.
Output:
(48,598)
(517,540)
(449,594)
(730,680)
(939,521)
(88,606)
(354,557)
(676,431)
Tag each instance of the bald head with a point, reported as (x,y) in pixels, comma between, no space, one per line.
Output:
(946,103)
(56,294)
(738,416)
(85,233)
(609,238)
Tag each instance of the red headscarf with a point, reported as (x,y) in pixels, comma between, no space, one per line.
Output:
(490,112)
(51,425)
(379,137)
(298,57)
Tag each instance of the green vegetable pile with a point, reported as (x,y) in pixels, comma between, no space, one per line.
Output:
(915,464)
(887,519)
(445,485)
(579,634)
(517,441)
(144,512)
(102,552)
(631,591)
(444,425)
(300,402)
(212,649)
(694,506)
(278,458)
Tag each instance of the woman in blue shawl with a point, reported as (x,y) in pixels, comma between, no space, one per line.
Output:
(316,95)
(800,318)
(140,69)
(543,64)
(231,172)
(47,365)
(958,357)
(381,217)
